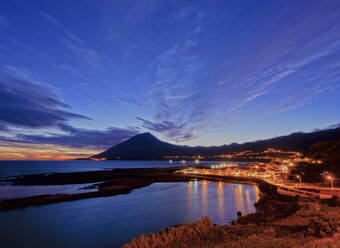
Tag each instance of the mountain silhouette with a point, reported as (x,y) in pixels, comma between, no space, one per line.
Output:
(145,146)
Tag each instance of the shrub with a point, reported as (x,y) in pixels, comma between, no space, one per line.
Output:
(334,201)
(322,226)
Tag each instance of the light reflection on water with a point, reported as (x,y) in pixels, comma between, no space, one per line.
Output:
(204,198)
(239,199)
(257,194)
(243,199)
(220,196)
(113,221)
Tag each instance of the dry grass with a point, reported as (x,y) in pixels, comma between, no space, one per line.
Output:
(288,232)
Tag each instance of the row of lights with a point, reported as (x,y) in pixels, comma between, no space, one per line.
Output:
(220,166)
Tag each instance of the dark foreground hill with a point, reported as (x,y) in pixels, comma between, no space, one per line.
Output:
(145,146)
(326,150)
(329,153)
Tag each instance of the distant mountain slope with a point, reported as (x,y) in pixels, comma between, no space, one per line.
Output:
(141,146)
(145,146)
(292,142)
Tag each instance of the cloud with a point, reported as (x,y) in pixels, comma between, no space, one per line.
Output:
(191,13)
(3,127)
(261,84)
(202,66)
(61,26)
(169,129)
(303,98)
(20,72)
(26,104)
(262,87)
(130,101)
(279,71)
(334,126)
(176,89)
(80,52)
(319,83)
(77,137)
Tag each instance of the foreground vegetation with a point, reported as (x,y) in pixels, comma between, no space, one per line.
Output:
(279,222)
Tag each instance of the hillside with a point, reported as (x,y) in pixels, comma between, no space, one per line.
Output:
(145,146)
(329,153)
(327,150)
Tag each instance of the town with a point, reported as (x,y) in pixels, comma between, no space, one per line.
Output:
(278,169)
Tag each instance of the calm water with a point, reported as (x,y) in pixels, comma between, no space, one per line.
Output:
(113,221)
(11,191)
(16,168)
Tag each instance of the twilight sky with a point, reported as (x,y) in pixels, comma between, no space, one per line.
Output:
(77,77)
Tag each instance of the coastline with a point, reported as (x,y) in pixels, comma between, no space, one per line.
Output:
(110,183)
(279,220)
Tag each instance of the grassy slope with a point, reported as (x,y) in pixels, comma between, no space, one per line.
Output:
(297,223)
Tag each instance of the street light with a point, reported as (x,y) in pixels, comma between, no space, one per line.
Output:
(330,178)
(299,177)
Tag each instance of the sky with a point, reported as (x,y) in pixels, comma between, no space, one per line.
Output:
(77,77)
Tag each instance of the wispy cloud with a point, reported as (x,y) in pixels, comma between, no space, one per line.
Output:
(67,32)
(130,101)
(169,129)
(176,72)
(76,137)
(3,127)
(305,97)
(26,104)
(80,53)
(278,71)
(19,72)
(262,87)
(334,125)
(182,69)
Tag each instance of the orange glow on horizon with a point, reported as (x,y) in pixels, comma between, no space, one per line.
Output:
(20,151)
